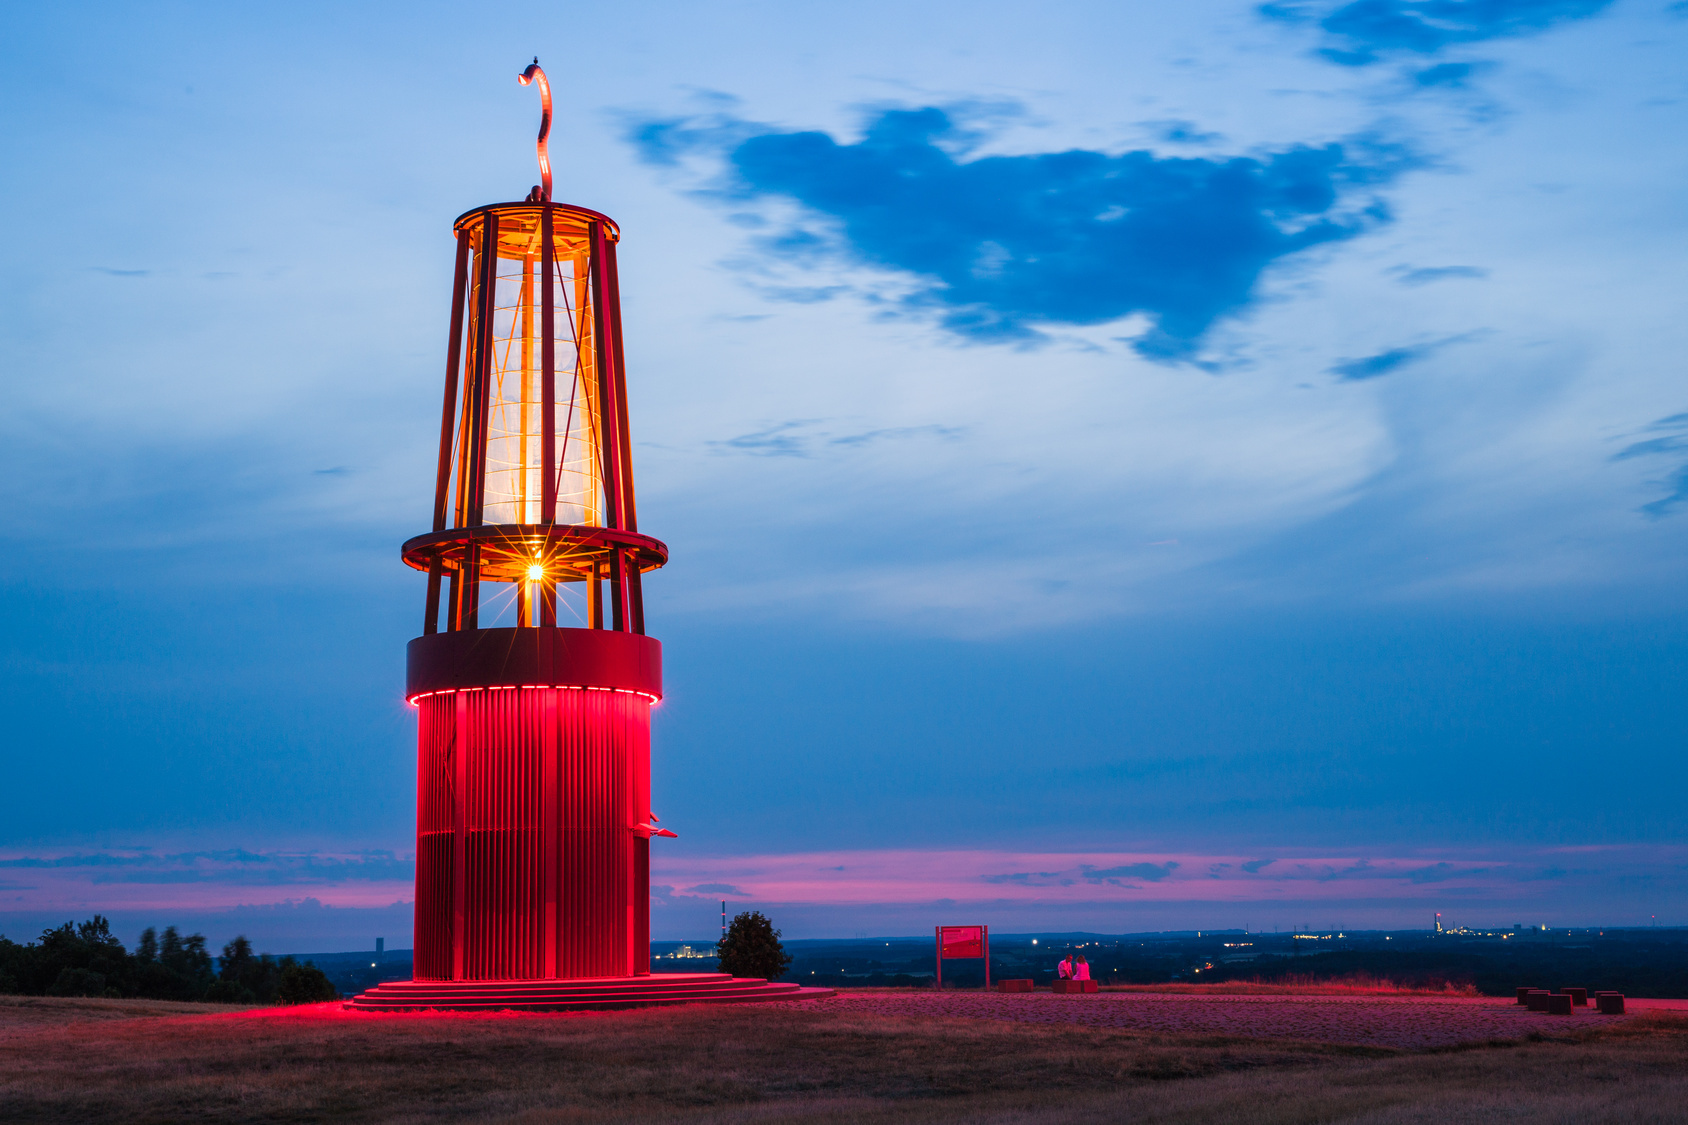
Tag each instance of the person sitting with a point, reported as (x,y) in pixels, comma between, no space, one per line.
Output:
(1064,971)
(1081,970)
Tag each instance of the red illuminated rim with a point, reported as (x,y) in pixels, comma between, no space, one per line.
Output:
(415,700)
(524,211)
(565,552)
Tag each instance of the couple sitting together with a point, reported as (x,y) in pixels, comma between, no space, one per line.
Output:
(1073,967)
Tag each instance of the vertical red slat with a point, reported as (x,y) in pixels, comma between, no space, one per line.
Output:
(461,750)
(526,863)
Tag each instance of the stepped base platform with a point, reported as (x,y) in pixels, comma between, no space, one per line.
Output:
(580,994)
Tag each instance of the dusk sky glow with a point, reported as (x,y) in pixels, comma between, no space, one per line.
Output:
(1149,467)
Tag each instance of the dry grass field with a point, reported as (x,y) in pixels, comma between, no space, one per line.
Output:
(143,1061)
(1292,985)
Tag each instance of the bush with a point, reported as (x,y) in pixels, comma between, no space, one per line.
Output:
(78,982)
(230,992)
(304,984)
(752,948)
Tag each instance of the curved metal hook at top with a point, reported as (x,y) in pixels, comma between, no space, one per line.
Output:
(525,78)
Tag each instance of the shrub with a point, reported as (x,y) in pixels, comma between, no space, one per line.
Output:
(752,948)
(230,992)
(78,982)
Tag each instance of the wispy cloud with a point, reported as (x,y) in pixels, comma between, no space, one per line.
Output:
(1671,441)
(1385,362)
(135,878)
(1382,363)
(774,441)
(1057,879)
(347,894)
(1454,76)
(799,438)
(1406,275)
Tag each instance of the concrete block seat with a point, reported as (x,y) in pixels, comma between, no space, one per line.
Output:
(1074,986)
(580,994)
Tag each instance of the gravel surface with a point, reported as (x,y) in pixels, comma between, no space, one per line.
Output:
(1413,1022)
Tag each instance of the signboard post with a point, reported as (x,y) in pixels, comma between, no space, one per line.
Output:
(963,941)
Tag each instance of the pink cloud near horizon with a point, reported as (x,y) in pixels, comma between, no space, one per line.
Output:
(1054,878)
(1049,889)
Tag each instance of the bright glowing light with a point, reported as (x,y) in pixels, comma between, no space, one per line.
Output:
(535,572)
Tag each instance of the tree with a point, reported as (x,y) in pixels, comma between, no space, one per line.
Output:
(87,960)
(243,978)
(186,967)
(752,948)
(304,984)
(74,960)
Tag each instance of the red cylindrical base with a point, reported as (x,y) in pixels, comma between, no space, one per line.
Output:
(528,864)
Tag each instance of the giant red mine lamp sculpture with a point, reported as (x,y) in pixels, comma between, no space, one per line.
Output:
(533,750)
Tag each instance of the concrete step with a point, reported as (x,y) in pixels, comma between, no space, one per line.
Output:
(595,992)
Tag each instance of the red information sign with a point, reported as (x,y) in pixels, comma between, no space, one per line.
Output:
(962,941)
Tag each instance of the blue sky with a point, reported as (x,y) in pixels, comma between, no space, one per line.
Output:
(1247,438)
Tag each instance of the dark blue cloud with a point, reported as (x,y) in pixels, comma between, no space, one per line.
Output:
(1362,32)
(1003,244)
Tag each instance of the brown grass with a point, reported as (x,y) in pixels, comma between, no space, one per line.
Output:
(87,1060)
(1294,985)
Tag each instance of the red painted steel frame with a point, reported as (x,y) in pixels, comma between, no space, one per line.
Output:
(533,743)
